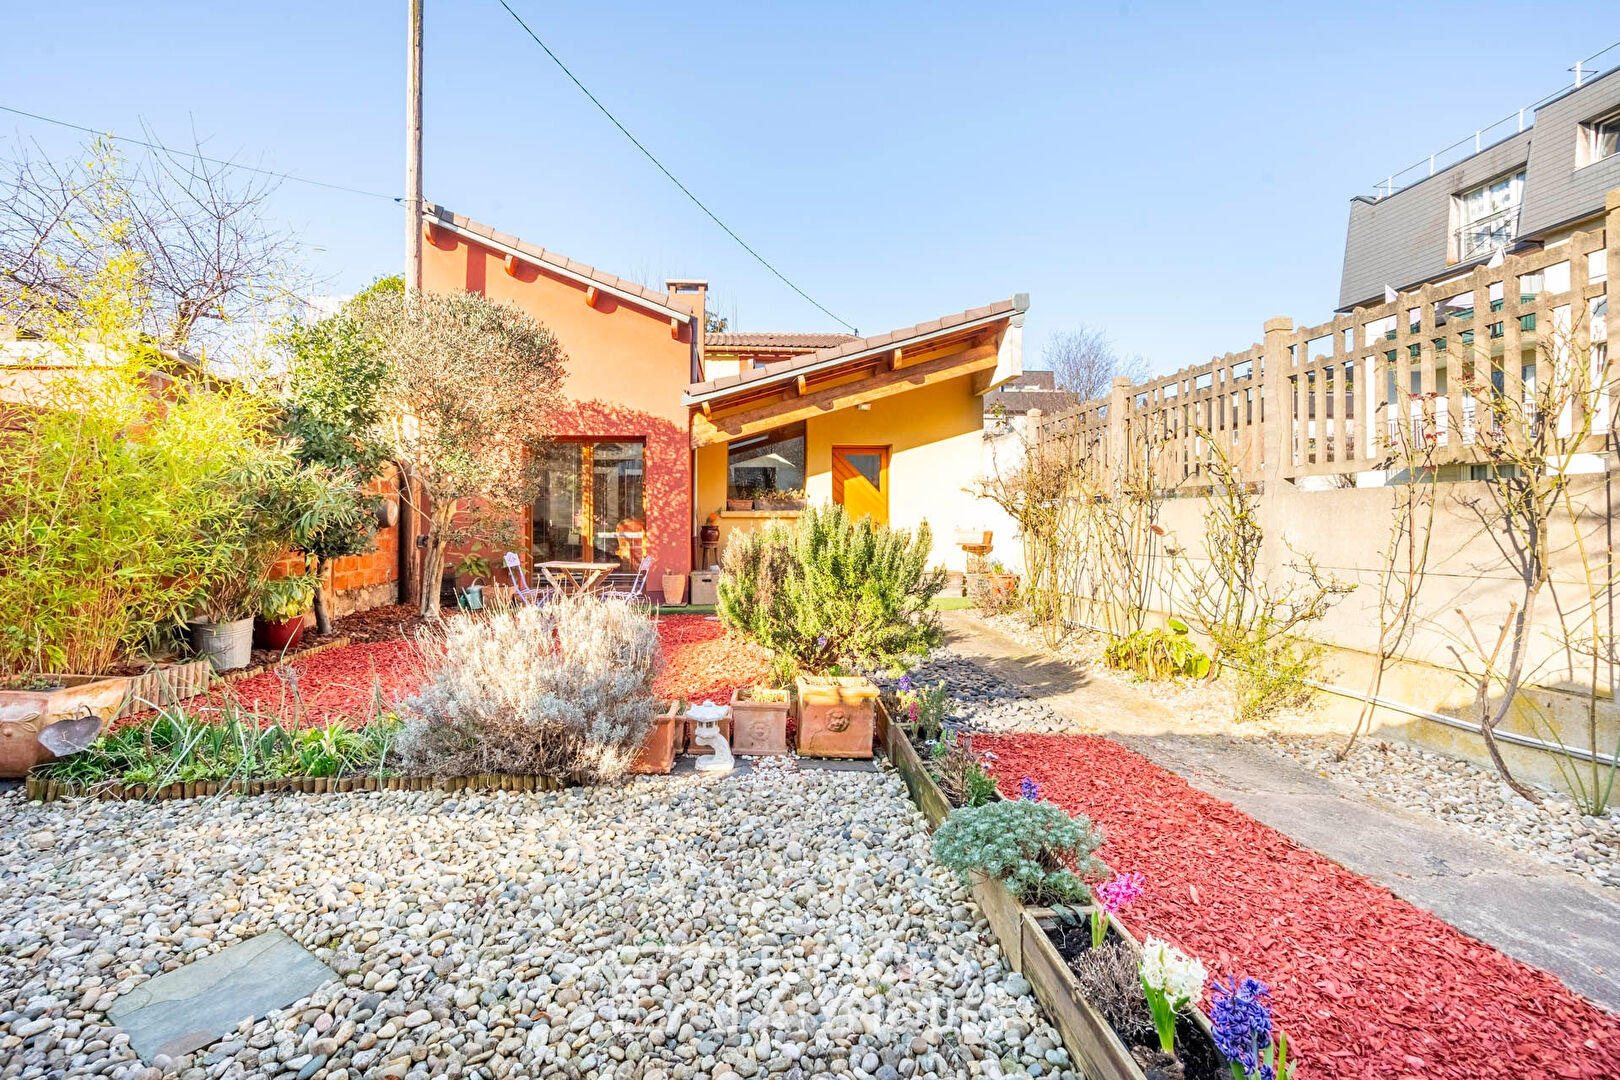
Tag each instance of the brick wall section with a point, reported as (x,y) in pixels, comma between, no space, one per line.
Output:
(358,582)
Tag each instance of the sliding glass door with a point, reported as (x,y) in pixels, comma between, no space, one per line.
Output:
(589,507)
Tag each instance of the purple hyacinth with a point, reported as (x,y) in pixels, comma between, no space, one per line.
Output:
(821,641)
(1029,790)
(1240,1020)
(905,684)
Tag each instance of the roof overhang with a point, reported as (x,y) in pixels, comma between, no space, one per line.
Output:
(549,267)
(987,349)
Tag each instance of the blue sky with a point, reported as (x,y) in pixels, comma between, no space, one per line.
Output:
(1172,173)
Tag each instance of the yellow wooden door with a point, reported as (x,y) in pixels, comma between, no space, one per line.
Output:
(860,480)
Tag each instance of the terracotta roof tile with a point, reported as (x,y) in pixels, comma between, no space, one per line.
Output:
(852,346)
(773,340)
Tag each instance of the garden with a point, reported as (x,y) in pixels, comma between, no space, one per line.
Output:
(576,835)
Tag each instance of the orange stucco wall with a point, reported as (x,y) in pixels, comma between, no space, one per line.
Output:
(626,374)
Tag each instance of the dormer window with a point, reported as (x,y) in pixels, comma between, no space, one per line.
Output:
(1597,139)
(1486,218)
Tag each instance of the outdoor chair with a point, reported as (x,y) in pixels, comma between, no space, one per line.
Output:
(638,584)
(521,590)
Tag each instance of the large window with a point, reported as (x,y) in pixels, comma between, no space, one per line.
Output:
(590,504)
(766,463)
(1486,218)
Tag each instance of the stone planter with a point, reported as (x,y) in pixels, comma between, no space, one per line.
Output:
(657,754)
(836,715)
(37,726)
(759,721)
(165,684)
(674,589)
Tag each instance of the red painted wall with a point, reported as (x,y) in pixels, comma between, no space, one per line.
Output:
(626,374)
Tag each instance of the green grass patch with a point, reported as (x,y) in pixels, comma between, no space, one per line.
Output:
(950,603)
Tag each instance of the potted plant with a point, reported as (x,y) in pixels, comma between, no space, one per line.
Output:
(743,501)
(777,499)
(1003,583)
(282,605)
(759,721)
(45,716)
(674,587)
(662,743)
(709,532)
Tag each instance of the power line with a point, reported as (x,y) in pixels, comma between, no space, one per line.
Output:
(672,179)
(200,157)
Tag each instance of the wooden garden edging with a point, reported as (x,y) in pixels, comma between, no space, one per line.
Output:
(164,685)
(1020,929)
(43,790)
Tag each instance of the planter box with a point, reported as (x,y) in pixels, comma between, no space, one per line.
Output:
(780,505)
(739,504)
(924,792)
(657,754)
(25,714)
(705,588)
(836,715)
(166,684)
(1006,917)
(760,727)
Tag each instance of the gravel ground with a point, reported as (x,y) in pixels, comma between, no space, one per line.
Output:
(654,930)
(982,702)
(1470,797)
(1449,789)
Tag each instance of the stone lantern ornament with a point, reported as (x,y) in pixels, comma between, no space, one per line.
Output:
(706,732)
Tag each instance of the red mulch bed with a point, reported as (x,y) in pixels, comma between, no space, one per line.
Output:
(1372,987)
(701,661)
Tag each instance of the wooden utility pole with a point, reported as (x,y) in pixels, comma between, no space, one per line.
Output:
(410,581)
(413,150)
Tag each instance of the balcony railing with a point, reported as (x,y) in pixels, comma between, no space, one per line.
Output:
(1479,238)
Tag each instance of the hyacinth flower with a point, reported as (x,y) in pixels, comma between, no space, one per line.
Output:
(1172,980)
(1112,897)
(1240,1020)
(1029,790)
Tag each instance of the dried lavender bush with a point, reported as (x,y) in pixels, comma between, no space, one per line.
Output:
(1109,978)
(561,690)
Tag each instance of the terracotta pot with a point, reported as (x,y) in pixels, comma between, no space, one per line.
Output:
(739,504)
(657,754)
(760,727)
(836,715)
(709,535)
(674,589)
(1003,586)
(82,704)
(282,635)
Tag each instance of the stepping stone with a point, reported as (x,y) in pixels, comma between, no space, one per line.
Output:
(200,1003)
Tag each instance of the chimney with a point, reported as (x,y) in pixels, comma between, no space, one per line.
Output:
(692,292)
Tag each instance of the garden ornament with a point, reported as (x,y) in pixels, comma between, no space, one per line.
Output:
(707,717)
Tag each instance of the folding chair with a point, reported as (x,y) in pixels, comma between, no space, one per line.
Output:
(638,585)
(520,582)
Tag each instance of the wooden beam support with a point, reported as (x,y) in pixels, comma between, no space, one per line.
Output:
(511,263)
(706,429)
(895,359)
(708,408)
(674,328)
(590,296)
(427,231)
(803,385)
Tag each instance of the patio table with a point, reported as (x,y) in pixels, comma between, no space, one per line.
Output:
(569,578)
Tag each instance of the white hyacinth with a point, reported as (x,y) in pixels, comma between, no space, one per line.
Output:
(1172,972)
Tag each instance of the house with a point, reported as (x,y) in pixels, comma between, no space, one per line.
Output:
(666,424)
(1535,187)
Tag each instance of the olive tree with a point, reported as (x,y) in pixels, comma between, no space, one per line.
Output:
(470,390)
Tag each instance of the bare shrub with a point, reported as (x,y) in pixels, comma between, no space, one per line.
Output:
(1111,981)
(559,690)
